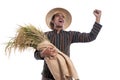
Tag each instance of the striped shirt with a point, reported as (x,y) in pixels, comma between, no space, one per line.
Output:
(64,39)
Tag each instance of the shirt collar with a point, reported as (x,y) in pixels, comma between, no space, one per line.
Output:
(56,31)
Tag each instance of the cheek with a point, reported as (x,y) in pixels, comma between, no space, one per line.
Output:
(56,21)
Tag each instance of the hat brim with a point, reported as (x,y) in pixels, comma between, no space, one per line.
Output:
(68,17)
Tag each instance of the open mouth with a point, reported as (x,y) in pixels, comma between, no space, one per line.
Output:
(61,21)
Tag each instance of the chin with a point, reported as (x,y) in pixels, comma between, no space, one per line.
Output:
(59,26)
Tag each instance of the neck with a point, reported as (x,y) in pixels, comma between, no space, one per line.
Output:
(58,29)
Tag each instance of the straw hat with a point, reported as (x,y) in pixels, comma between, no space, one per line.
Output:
(68,17)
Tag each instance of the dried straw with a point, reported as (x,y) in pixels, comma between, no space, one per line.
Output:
(27,36)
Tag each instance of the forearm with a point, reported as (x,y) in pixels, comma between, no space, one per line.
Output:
(37,55)
(97,20)
(95,30)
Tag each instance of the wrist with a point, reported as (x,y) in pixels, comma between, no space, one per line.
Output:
(97,20)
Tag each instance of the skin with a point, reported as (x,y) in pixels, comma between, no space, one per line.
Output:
(49,51)
(58,22)
(97,14)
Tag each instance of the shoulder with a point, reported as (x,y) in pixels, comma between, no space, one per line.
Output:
(71,33)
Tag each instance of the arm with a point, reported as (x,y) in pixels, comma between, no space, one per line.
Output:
(87,37)
(48,50)
(97,14)
(37,55)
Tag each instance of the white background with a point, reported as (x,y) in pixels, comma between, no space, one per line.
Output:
(97,60)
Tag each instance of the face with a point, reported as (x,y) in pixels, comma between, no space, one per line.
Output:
(58,20)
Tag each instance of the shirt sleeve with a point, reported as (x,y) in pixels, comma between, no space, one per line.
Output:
(37,55)
(86,37)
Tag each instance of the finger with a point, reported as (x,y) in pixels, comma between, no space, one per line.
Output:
(96,11)
(44,50)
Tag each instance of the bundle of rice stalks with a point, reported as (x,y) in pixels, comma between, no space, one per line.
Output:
(27,36)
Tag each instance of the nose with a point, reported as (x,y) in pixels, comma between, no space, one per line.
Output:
(60,16)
